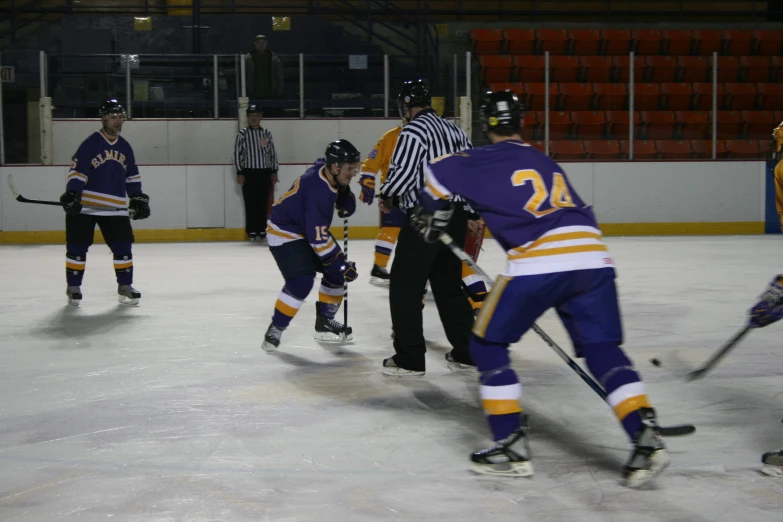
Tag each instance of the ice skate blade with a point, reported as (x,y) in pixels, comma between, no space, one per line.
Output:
(74,302)
(393,371)
(658,461)
(131,301)
(772,471)
(330,337)
(457,367)
(269,347)
(377,281)
(506,469)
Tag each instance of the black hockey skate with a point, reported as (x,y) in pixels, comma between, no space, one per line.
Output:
(773,463)
(501,459)
(272,338)
(74,294)
(649,456)
(379,276)
(330,330)
(456,365)
(128,295)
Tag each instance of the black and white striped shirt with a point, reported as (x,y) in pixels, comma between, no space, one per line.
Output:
(426,137)
(254,149)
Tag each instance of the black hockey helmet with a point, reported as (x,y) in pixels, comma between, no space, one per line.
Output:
(340,152)
(414,93)
(111,107)
(254,109)
(500,109)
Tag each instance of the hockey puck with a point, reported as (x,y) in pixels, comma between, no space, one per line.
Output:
(655,362)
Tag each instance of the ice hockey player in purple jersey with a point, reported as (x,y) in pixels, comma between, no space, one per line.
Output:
(103,172)
(555,259)
(299,239)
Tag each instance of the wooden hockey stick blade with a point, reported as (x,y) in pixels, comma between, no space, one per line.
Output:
(713,361)
(677,431)
(20,198)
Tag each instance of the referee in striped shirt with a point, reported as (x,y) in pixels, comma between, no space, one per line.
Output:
(255,161)
(426,137)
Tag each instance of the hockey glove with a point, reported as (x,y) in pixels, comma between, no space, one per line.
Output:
(346,203)
(367,182)
(770,306)
(140,204)
(431,225)
(350,272)
(340,269)
(72,202)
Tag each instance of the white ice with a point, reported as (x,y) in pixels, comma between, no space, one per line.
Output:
(170,411)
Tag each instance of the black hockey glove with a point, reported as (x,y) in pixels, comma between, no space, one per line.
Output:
(72,202)
(431,225)
(140,205)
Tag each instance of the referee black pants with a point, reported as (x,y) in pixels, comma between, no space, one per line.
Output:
(416,261)
(255,192)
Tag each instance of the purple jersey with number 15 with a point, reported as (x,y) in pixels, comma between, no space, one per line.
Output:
(527,203)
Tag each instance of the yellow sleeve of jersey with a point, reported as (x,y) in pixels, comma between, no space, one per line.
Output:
(380,156)
(779,191)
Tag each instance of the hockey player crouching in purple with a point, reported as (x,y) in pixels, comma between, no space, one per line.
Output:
(103,171)
(556,259)
(299,239)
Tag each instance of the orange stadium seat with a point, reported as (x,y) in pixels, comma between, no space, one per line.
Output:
(553,40)
(529,68)
(707,41)
(589,125)
(658,125)
(660,68)
(584,42)
(756,69)
(530,130)
(563,68)
(575,96)
(677,96)
(702,149)
(603,150)
(673,149)
(758,124)
(611,96)
(744,149)
(693,124)
(495,68)
(771,96)
(703,96)
(616,41)
(728,69)
(741,96)
(647,96)
(567,150)
(646,41)
(559,124)
(516,88)
(596,68)
(540,145)
(694,69)
(534,96)
(764,147)
(775,70)
(642,149)
(730,124)
(486,41)
(520,41)
(768,42)
(622,68)
(677,41)
(737,42)
(619,126)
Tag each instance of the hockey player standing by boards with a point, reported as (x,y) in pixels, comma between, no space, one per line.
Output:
(556,259)
(103,171)
(302,245)
(769,309)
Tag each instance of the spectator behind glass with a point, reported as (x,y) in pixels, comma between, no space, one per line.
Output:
(263,72)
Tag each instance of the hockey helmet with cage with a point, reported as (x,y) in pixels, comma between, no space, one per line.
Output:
(254,109)
(341,152)
(414,93)
(500,109)
(111,107)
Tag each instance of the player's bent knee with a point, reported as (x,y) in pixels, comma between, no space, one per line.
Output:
(300,286)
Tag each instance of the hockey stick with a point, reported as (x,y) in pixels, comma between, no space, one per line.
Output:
(345,282)
(666,431)
(20,198)
(713,361)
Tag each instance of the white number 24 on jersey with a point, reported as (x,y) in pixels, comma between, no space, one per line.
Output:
(560,197)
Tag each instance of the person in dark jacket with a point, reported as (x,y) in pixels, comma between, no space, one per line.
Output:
(263,72)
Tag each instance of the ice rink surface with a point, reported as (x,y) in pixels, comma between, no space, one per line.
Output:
(170,411)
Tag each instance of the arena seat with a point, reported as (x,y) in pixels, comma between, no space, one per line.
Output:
(604,150)
(737,42)
(495,68)
(702,149)
(567,150)
(529,68)
(575,96)
(486,41)
(520,41)
(589,125)
(674,149)
(611,96)
(618,124)
(694,69)
(584,42)
(677,96)
(596,68)
(693,124)
(658,125)
(642,149)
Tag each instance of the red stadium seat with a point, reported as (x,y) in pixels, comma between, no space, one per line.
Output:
(741,96)
(540,145)
(660,68)
(589,125)
(730,124)
(658,125)
(615,41)
(553,40)
(737,42)
(703,96)
(534,96)
(744,149)
(758,124)
(531,128)
(559,124)
(646,41)
(619,126)
(516,88)
(677,41)
(596,68)
(622,68)
(529,68)
(584,42)
(707,41)
(677,96)
(693,124)
(642,149)
(702,149)
(495,68)
(775,70)
(567,150)
(728,69)
(673,149)
(756,69)
(563,68)
(576,96)
(604,150)
(647,96)
(520,41)
(611,96)
(694,69)
(768,42)
(486,41)
(771,96)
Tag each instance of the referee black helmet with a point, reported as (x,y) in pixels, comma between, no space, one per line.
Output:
(341,152)
(254,109)
(501,112)
(414,93)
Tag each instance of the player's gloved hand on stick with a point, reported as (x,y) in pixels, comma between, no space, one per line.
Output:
(340,269)
(72,202)
(349,271)
(770,306)
(140,204)
(367,182)
(346,203)
(431,225)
